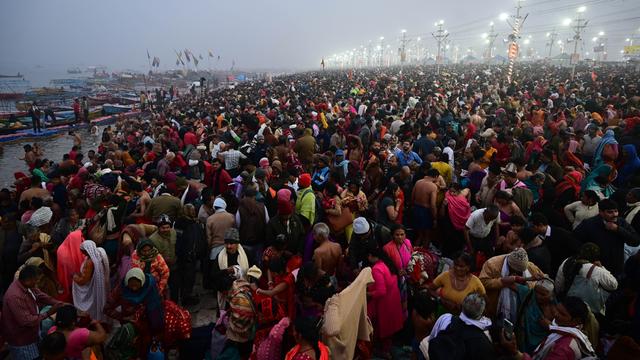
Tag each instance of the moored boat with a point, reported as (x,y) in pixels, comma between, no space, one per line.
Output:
(110,109)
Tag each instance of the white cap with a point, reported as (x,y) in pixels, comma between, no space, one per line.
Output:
(360,226)
(219,203)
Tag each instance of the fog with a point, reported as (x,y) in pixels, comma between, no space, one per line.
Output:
(274,34)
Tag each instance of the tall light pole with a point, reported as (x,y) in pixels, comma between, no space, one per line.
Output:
(516,27)
(552,39)
(381,51)
(403,44)
(440,35)
(579,24)
(490,40)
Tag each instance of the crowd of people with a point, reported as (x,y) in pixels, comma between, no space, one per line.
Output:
(364,213)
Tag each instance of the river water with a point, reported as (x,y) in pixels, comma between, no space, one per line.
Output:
(54,148)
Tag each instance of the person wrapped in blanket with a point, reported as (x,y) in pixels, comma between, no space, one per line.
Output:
(137,301)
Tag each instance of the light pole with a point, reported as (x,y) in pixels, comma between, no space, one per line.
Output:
(552,39)
(440,35)
(490,39)
(403,42)
(580,24)
(516,27)
(381,48)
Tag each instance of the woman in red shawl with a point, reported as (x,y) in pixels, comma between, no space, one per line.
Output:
(567,191)
(534,147)
(69,261)
(282,290)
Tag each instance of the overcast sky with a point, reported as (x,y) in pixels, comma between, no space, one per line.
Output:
(290,34)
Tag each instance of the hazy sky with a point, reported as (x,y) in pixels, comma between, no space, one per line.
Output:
(291,34)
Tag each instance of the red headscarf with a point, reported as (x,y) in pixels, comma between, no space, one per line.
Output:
(571,180)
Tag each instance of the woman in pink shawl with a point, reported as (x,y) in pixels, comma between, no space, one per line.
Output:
(457,209)
(70,260)
(384,306)
(399,250)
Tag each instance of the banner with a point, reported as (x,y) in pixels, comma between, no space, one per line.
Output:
(513,51)
(597,49)
(632,50)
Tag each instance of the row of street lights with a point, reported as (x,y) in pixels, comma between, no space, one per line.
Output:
(411,50)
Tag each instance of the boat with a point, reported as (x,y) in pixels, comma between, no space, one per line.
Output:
(111,109)
(18,76)
(13,87)
(100,99)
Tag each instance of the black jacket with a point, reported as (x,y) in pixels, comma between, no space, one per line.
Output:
(611,243)
(561,244)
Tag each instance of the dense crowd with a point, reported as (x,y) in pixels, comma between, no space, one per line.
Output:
(387,213)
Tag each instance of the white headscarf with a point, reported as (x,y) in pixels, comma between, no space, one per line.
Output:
(92,296)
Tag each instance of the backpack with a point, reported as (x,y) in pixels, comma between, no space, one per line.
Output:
(452,343)
(592,294)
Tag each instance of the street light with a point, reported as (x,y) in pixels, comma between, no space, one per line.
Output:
(582,9)
(601,33)
(503,16)
(594,39)
(484,35)
(566,22)
(527,41)
(403,31)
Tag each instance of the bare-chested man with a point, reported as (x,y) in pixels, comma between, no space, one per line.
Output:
(425,212)
(143,201)
(328,255)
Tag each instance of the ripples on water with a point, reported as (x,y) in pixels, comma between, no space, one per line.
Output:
(54,148)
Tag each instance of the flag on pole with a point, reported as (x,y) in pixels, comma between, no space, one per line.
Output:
(210,53)
(186,55)
(148,56)
(195,61)
(177,62)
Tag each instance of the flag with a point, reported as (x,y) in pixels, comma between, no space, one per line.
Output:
(195,61)
(210,53)
(177,62)
(200,56)
(156,61)
(148,56)
(186,55)
(218,57)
